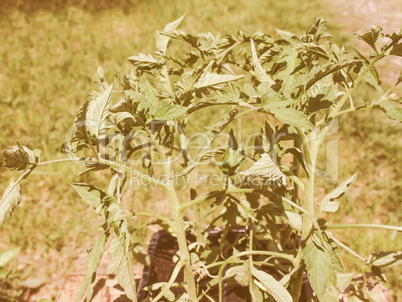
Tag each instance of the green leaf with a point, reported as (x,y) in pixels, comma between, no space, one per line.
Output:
(321,95)
(8,255)
(19,158)
(288,36)
(143,60)
(343,281)
(372,78)
(271,286)
(167,112)
(255,293)
(329,202)
(230,95)
(97,112)
(291,117)
(232,157)
(321,274)
(121,266)
(294,220)
(259,71)
(289,57)
(89,194)
(322,72)
(385,259)
(162,40)
(392,109)
(242,276)
(264,172)
(10,200)
(212,79)
(297,153)
(397,50)
(373,37)
(317,50)
(95,256)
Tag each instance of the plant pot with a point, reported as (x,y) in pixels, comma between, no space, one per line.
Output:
(163,247)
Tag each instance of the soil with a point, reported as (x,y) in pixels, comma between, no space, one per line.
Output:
(163,247)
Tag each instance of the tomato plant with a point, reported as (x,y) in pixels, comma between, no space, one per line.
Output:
(150,126)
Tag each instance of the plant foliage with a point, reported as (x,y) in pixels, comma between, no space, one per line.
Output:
(142,125)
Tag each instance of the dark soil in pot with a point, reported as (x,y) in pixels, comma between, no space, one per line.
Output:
(163,247)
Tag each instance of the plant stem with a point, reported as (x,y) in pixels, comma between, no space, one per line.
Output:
(338,242)
(311,151)
(363,225)
(182,242)
(56,161)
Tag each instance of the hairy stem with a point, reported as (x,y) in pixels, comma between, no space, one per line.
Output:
(182,242)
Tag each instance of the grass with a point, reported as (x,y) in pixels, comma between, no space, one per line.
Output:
(49,55)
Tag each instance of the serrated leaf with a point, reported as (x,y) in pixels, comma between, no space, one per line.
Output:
(18,158)
(120,265)
(229,95)
(265,172)
(321,273)
(291,117)
(242,276)
(162,40)
(95,256)
(271,286)
(9,201)
(212,79)
(329,202)
(385,259)
(288,36)
(392,109)
(326,70)
(372,37)
(167,112)
(259,71)
(97,112)
(317,50)
(143,60)
(289,57)
(89,194)
(8,255)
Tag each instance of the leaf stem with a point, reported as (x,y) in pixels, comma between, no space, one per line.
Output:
(56,161)
(362,225)
(345,247)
